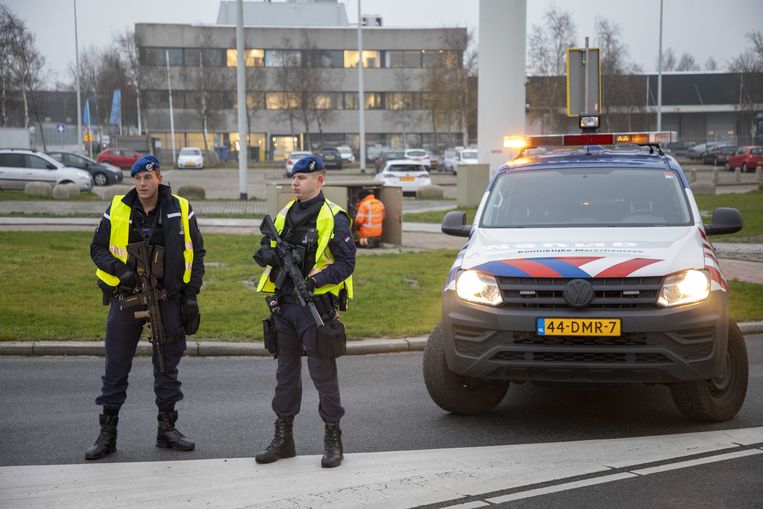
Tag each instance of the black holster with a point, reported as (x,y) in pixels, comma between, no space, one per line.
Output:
(270,335)
(331,339)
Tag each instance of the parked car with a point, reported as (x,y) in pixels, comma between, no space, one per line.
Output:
(717,155)
(19,166)
(387,155)
(331,158)
(679,148)
(121,157)
(465,157)
(747,158)
(448,160)
(190,157)
(373,152)
(696,151)
(405,173)
(346,153)
(420,155)
(293,158)
(103,174)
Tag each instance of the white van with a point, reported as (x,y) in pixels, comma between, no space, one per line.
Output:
(588,264)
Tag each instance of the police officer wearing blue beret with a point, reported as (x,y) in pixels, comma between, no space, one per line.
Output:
(149,210)
(322,229)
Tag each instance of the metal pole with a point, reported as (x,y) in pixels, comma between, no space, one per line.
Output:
(241,95)
(659,77)
(137,100)
(76,78)
(172,117)
(585,71)
(361,95)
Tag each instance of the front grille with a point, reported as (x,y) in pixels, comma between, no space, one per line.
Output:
(584,357)
(609,293)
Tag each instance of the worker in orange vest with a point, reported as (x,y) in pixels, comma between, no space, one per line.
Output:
(368,221)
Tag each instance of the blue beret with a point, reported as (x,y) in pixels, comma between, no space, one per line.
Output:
(307,164)
(145,163)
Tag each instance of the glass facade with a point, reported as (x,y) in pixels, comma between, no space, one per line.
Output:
(252,57)
(371,58)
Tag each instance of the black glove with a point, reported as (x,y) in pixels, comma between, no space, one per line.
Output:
(265,256)
(128,280)
(189,311)
(310,284)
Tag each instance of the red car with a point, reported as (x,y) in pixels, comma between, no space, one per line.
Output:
(747,157)
(121,157)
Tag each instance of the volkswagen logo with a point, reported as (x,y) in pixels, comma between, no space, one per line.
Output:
(578,293)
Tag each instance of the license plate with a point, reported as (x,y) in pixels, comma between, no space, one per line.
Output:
(578,326)
(408,179)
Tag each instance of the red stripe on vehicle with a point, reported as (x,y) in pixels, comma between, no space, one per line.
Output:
(626,268)
(702,232)
(577,261)
(533,268)
(716,276)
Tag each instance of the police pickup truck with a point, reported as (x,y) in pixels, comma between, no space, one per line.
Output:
(588,263)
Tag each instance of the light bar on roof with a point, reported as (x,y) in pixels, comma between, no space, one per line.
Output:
(560,140)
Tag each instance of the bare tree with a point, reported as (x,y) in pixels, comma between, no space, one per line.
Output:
(687,63)
(669,61)
(206,84)
(285,76)
(749,66)
(711,64)
(255,97)
(128,49)
(10,27)
(547,52)
(403,112)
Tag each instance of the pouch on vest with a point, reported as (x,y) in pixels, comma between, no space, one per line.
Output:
(270,335)
(331,340)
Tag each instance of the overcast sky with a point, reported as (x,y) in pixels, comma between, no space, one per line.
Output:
(703,28)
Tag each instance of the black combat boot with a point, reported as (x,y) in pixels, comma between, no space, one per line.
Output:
(332,444)
(106,443)
(168,437)
(282,445)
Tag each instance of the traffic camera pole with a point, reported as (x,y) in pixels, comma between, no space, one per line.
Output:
(241,96)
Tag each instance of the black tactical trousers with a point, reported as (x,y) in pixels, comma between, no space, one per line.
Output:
(122,334)
(296,329)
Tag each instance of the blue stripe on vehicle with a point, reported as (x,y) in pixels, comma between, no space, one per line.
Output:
(564,268)
(501,269)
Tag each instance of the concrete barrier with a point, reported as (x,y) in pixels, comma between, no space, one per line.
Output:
(65,191)
(715,176)
(432,192)
(38,189)
(111,191)
(703,187)
(737,175)
(192,192)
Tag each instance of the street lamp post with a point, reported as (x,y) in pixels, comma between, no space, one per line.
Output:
(172,117)
(659,77)
(361,98)
(76,78)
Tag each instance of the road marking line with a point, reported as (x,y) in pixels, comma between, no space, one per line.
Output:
(560,487)
(698,461)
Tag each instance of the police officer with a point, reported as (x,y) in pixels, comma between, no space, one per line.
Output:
(328,264)
(149,210)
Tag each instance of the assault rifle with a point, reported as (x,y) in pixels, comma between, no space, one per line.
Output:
(148,263)
(290,258)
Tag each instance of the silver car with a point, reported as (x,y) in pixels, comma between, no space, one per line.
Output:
(19,166)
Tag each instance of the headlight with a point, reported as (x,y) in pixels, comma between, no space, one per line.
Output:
(684,288)
(478,287)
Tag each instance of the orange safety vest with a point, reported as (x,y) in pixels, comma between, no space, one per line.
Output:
(370,216)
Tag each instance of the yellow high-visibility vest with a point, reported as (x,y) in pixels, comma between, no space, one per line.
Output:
(323,257)
(119,218)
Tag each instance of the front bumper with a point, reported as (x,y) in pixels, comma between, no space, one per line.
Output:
(659,345)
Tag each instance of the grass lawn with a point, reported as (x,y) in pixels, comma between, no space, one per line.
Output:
(48,290)
(749,204)
(436,216)
(10,195)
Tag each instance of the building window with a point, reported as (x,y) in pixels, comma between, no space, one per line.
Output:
(158,56)
(440,58)
(402,59)
(156,98)
(328,101)
(371,58)
(350,100)
(403,101)
(283,58)
(281,100)
(214,57)
(374,101)
(325,58)
(255,100)
(252,57)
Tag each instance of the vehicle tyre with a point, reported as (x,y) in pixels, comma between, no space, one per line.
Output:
(718,399)
(744,167)
(100,179)
(452,392)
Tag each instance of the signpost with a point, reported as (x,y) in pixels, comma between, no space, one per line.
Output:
(60,131)
(583,81)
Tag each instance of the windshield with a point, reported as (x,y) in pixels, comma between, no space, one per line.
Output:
(416,153)
(406,167)
(469,154)
(587,197)
(190,152)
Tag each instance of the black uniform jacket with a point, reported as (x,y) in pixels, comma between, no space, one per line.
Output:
(168,232)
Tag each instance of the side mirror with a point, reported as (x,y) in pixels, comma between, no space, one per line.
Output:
(725,220)
(454,223)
